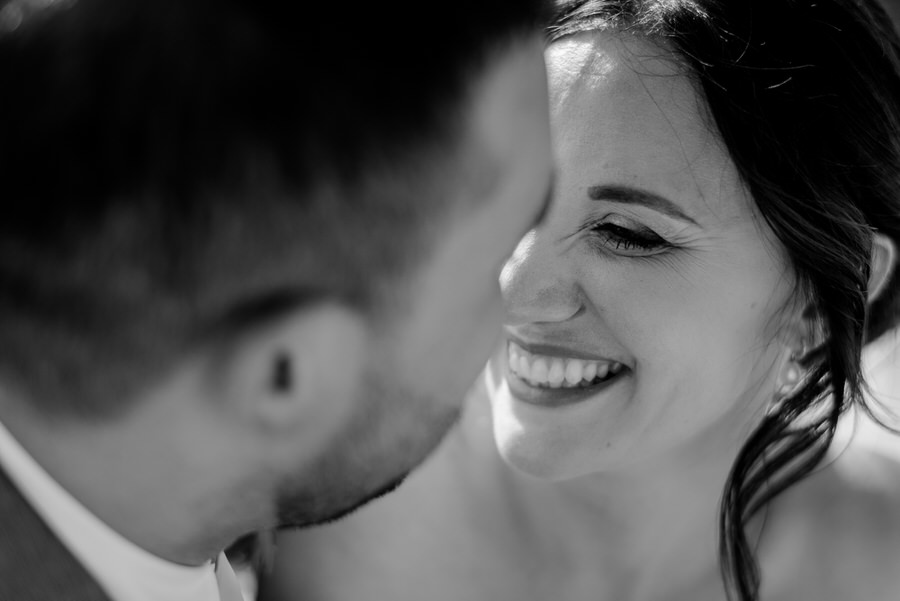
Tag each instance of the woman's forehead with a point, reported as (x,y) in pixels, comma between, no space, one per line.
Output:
(624,108)
(597,59)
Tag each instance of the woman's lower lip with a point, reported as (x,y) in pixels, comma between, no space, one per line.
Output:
(555,397)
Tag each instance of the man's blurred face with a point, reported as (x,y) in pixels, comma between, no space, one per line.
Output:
(429,349)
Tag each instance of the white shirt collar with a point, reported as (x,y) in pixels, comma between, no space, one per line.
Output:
(125,571)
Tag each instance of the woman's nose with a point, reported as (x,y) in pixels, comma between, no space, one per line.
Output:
(537,287)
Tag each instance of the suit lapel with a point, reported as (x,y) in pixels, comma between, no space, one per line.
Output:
(34,564)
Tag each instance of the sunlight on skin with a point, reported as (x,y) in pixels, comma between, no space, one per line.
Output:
(881,361)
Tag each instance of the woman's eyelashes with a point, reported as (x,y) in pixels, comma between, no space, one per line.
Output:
(626,238)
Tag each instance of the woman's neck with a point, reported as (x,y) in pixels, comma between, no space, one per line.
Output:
(658,527)
(649,531)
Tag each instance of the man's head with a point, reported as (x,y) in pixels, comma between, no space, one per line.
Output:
(285,220)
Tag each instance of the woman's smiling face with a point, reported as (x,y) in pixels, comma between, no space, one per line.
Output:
(650,313)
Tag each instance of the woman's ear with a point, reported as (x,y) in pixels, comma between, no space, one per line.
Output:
(801,335)
(884,262)
(801,332)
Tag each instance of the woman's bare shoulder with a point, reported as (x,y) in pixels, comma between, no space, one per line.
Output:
(836,535)
(857,490)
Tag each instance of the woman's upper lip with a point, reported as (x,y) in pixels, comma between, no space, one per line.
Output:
(556,350)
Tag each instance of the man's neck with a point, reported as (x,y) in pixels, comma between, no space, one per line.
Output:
(134,478)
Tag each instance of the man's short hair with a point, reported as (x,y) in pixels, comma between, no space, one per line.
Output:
(170,168)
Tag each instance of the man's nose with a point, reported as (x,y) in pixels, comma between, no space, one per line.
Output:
(537,283)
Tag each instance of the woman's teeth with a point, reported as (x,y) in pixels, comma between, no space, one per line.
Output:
(558,372)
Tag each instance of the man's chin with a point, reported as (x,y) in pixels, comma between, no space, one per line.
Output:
(338,509)
(348,473)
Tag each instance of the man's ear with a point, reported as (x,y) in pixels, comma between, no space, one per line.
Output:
(884,261)
(297,375)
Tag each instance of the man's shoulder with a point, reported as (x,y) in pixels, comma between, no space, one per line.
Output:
(34,564)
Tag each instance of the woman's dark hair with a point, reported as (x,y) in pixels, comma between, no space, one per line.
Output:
(805,95)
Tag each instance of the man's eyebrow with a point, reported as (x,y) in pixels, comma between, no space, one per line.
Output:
(545,206)
(629,195)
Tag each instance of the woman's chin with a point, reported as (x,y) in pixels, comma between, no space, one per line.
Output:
(535,454)
(541,448)
(536,463)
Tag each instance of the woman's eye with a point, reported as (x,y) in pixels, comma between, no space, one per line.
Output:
(627,241)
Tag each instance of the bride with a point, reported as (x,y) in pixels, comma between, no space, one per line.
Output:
(683,333)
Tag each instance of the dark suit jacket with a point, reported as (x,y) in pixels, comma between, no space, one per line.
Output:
(34,564)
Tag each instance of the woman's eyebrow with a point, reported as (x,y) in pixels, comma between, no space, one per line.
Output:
(629,195)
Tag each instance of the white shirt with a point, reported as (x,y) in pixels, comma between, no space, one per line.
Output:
(124,571)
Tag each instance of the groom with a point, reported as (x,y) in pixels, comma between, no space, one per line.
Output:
(248,267)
